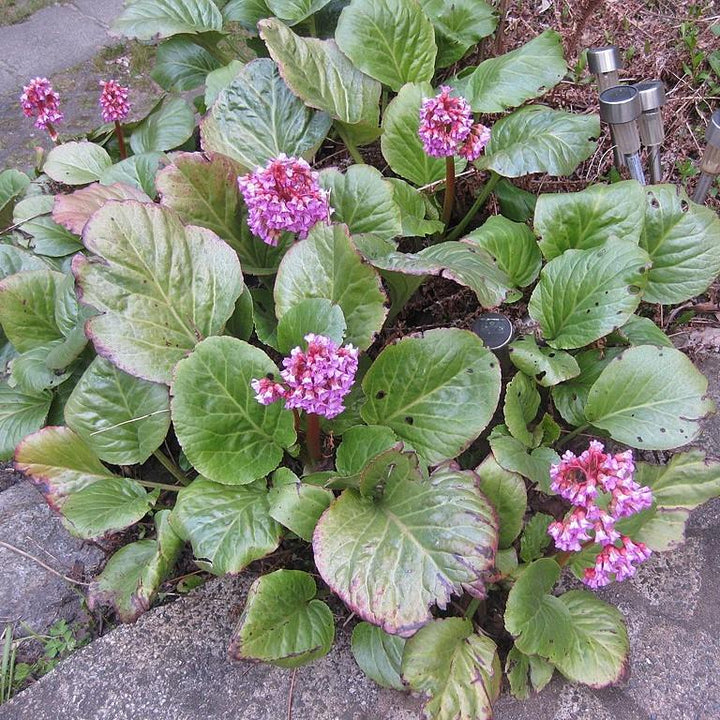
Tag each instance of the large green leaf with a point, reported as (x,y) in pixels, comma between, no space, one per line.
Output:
(12,184)
(33,216)
(683,241)
(74,210)
(219,79)
(256,118)
(295,11)
(400,144)
(538,139)
(246,12)
(540,623)
(134,573)
(547,365)
(417,385)
(413,210)
(322,76)
(459,25)
(327,265)
(360,444)
(378,654)
(512,244)
(152,19)
(137,170)
(15,259)
(181,64)
(77,163)
(121,417)
(298,506)
(661,529)
(390,40)
(170,123)
(314,315)
(520,668)
(92,500)
(30,372)
(598,652)
(509,80)
(506,491)
(204,192)
(21,413)
(27,308)
(228,527)
(535,538)
(512,454)
(585,294)
(282,623)
(456,667)
(363,200)
(650,397)
(225,432)
(586,219)
(393,557)
(640,331)
(522,401)
(153,310)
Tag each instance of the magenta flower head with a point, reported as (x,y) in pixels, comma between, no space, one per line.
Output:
(475,143)
(316,380)
(445,123)
(585,481)
(40,101)
(284,195)
(114,105)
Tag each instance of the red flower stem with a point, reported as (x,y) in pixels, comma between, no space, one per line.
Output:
(52,132)
(120,139)
(449,190)
(312,437)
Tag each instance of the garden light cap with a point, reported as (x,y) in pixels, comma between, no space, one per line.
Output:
(652,94)
(603,59)
(494,329)
(620,104)
(712,134)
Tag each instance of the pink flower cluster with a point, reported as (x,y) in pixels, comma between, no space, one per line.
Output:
(446,127)
(113,101)
(39,100)
(316,380)
(284,195)
(584,480)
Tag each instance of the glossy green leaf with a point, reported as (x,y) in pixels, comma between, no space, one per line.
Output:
(15,259)
(327,265)
(400,144)
(30,372)
(661,529)
(316,71)
(314,315)
(295,11)
(152,19)
(506,491)
(415,387)
(296,505)
(378,654)
(585,294)
(683,241)
(77,163)
(181,65)
(535,538)
(360,444)
(413,210)
(152,310)
(21,413)
(264,316)
(256,117)
(514,456)
(169,125)
(228,526)
(522,401)
(224,431)
(120,417)
(586,219)
(362,200)
(640,331)
(392,557)
(598,653)
(455,667)
(13,183)
(512,244)
(538,139)
(391,40)
(219,79)
(138,171)
(133,575)
(540,623)
(373,478)
(33,215)
(282,623)
(246,12)
(92,500)
(651,398)
(524,670)
(74,210)
(516,204)
(508,80)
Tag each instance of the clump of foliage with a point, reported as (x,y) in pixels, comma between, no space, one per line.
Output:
(157,294)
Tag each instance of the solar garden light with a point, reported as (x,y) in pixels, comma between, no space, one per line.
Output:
(604,63)
(620,107)
(710,164)
(650,123)
(496,331)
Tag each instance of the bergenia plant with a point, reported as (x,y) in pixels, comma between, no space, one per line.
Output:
(265,303)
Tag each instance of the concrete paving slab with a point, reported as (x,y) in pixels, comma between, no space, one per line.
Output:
(102,11)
